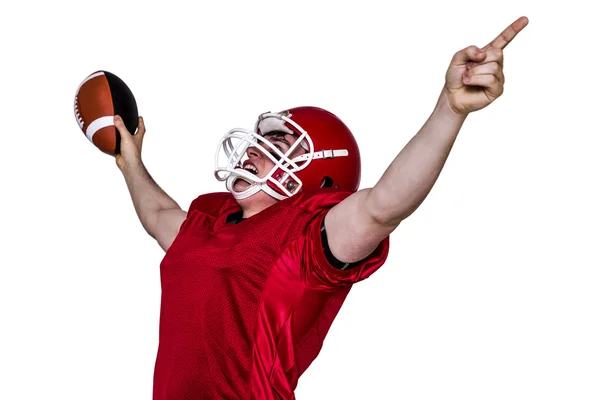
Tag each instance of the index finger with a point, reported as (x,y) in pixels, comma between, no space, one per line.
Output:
(508,34)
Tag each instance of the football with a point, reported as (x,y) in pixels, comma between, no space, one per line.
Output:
(100,97)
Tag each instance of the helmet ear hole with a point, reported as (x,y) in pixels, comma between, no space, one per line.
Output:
(326,182)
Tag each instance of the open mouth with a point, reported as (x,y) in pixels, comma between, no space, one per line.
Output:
(240,184)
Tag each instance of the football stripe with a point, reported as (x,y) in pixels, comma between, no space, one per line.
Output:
(95,102)
(98,124)
(92,76)
(76,105)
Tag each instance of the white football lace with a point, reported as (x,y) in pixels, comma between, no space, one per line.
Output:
(77,115)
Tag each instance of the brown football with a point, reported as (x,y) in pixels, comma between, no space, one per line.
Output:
(98,99)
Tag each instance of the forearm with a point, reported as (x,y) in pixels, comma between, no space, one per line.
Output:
(410,177)
(148,198)
(474,80)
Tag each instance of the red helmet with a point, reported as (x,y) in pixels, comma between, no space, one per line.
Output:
(332,158)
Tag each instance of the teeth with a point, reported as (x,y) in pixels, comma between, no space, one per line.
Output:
(251,168)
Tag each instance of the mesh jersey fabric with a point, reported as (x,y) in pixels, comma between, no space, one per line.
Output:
(245,307)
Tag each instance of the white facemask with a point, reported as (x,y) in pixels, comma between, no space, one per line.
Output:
(232,152)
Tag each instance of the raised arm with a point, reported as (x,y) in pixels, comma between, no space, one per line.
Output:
(159,214)
(474,79)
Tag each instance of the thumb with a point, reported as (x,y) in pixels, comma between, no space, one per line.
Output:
(120,125)
(471,53)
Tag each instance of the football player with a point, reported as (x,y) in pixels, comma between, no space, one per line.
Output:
(253,277)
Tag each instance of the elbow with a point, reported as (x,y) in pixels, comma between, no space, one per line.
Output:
(386,213)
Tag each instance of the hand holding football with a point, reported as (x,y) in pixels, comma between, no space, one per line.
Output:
(98,99)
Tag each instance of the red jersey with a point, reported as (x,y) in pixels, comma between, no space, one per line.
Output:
(245,307)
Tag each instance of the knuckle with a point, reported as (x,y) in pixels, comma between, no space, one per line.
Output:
(468,50)
(500,88)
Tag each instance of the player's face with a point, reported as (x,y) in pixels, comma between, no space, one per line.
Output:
(260,163)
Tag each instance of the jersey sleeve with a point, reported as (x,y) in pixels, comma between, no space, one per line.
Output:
(317,270)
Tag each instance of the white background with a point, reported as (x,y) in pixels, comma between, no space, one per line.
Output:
(491,289)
